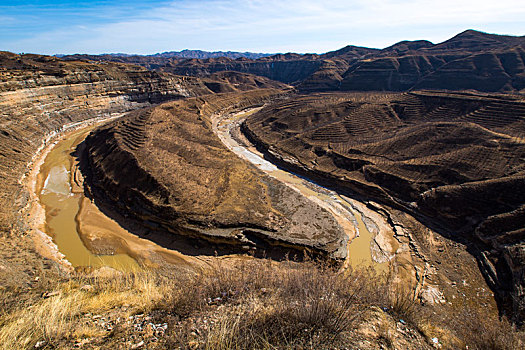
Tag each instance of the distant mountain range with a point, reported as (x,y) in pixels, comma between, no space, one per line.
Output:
(207,54)
(470,60)
(179,54)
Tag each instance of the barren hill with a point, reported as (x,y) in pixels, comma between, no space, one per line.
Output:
(470,60)
(167,169)
(456,161)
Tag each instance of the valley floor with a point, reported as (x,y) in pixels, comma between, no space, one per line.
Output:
(231,301)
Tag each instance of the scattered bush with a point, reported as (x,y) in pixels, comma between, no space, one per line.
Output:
(252,304)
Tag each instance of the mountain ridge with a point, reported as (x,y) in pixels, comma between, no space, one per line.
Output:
(491,63)
(187,53)
(183,54)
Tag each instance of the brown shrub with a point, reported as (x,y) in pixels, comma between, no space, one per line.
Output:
(271,305)
(480,330)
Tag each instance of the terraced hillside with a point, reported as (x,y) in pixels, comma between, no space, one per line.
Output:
(455,161)
(166,169)
(470,60)
(40,95)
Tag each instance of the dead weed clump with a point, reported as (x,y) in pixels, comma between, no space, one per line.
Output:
(480,330)
(287,305)
(53,319)
(264,305)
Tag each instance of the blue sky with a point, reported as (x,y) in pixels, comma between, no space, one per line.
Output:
(146,26)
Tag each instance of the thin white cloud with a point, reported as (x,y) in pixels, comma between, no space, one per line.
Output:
(7,20)
(277,26)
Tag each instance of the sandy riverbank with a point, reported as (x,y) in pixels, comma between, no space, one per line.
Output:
(100,234)
(370,239)
(32,181)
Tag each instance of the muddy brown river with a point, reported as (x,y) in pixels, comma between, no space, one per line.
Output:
(74,222)
(361,239)
(62,205)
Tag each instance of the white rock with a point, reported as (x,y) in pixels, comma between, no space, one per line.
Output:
(138,345)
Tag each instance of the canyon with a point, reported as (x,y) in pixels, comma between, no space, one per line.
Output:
(470,60)
(417,150)
(42,98)
(165,168)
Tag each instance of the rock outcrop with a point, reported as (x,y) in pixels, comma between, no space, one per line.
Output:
(455,161)
(287,71)
(230,81)
(166,170)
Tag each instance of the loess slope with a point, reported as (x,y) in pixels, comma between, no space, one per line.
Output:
(166,167)
(456,161)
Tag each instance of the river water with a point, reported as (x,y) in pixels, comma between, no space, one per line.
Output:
(360,237)
(62,205)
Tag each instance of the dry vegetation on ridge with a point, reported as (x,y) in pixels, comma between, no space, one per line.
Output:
(255,304)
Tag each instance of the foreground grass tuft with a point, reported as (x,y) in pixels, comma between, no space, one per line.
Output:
(53,319)
(255,304)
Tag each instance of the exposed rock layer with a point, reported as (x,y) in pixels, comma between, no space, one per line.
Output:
(470,60)
(39,95)
(166,168)
(456,161)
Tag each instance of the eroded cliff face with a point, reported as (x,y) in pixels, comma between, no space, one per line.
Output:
(455,161)
(40,95)
(167,170)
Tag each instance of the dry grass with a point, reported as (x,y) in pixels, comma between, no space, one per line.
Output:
(273,306)
(248,305)
(480,330)
(53,318)
(290,306)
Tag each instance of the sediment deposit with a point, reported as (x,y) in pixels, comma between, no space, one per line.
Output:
(455,161)
(166,170)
